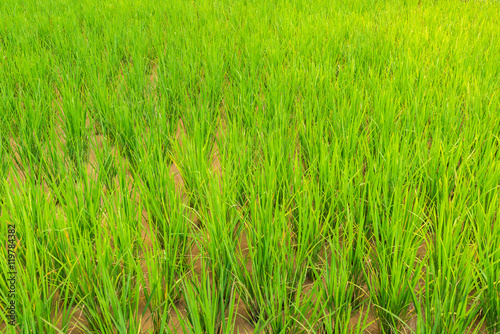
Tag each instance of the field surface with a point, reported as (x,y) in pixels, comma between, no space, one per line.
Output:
(249,166)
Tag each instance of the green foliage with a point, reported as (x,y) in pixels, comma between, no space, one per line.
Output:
(288,166)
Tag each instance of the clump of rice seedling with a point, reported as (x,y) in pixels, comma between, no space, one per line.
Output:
(222,227)
(394,271)
(237,161)
(166,260)
(446,302)
(308,224)
(82,204)
(343,276)
(194,167)
(4,168)
(209,309)
(487,234)
(74,119)
(272,286)
(29,143)
(55,168)
(106,282)
(43,290)
(107,168)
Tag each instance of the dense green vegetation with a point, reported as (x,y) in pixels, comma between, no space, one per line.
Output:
(251,166)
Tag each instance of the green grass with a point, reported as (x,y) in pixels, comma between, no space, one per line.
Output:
(303,166)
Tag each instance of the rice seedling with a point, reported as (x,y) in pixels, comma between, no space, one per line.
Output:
(209,308)
(193,160)
(223,226)
(82,205)
(488,257)
(108,289)
(75,128)
(106,165)
(395,271)
(236,163)
(269,283)
(343,277)
(448,302)
(54,167)
(44,296)
(4,167)
(166,260)
(29,146)
(308,224)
